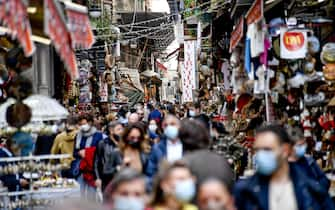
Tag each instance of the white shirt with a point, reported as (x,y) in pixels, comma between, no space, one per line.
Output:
(282,196)
(174,151)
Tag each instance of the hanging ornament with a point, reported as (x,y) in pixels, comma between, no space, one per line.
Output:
(18,115)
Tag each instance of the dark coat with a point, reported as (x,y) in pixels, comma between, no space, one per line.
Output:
(313,171)
(205,164)
(158,153)
(107,160)
(253,193)
(11,181)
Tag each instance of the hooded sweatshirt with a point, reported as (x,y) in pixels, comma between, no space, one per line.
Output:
(64,144)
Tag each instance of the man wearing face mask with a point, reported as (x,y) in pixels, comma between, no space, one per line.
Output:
(278,185)
(306,164)
(64,144)
(107,156)
(169,146)
(175,187)
(214,195)
(126,191)
(194,112)
(82,167)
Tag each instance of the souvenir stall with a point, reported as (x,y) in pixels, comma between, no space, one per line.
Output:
(279,70)
(46,186)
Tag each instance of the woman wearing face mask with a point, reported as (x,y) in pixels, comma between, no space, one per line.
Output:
(154,132)
(175,188)
(306,164)
(134,147)
(107,156)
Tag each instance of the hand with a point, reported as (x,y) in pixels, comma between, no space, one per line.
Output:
(82,153)
(24,183)
(98,183)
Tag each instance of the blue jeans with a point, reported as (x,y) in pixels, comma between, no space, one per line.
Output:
(87,192)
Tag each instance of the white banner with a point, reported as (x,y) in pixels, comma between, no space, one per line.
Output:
(293,44)
(186,84)
(190,61)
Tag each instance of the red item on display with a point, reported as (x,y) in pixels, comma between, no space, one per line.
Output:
(236,35)
(87,166)
(14,15)
(79,26)
(55,27)
(255,13)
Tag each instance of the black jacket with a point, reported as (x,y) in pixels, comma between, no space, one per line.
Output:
(107,160)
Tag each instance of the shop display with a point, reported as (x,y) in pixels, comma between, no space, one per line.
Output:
(43,180)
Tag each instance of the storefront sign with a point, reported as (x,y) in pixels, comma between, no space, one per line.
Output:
(293,44)
(55,27)
(255,13)
(13,14)
(236,35)
(79,26)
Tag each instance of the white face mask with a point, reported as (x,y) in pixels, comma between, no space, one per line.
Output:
(191,113)
(152,128)
(128,203)
(85,127)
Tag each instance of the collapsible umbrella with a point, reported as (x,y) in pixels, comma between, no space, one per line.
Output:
(43,108)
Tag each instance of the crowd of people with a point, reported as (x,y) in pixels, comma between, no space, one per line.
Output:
(157,157)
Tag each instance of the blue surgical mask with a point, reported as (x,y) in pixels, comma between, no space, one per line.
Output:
(300,150)
(128,203)
(266,162)
(171,132)
(185,190)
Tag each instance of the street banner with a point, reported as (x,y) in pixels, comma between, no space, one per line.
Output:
(79,25)
(293,44)
(255,13)
(13,14)
(190,61)
(103,90)
(55,27)
(187,94)
(236,35)
(199,37)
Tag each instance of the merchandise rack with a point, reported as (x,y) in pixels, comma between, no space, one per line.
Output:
(29,193)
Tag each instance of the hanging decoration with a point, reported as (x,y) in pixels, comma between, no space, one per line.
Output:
(19,27)
(79,25)
(236,35)
(55,27)
(255,13)
(189,61)
(187,95)
(293,44)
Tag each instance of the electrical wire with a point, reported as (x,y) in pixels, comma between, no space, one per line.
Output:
(162,27)
(134,15)
(152,20)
